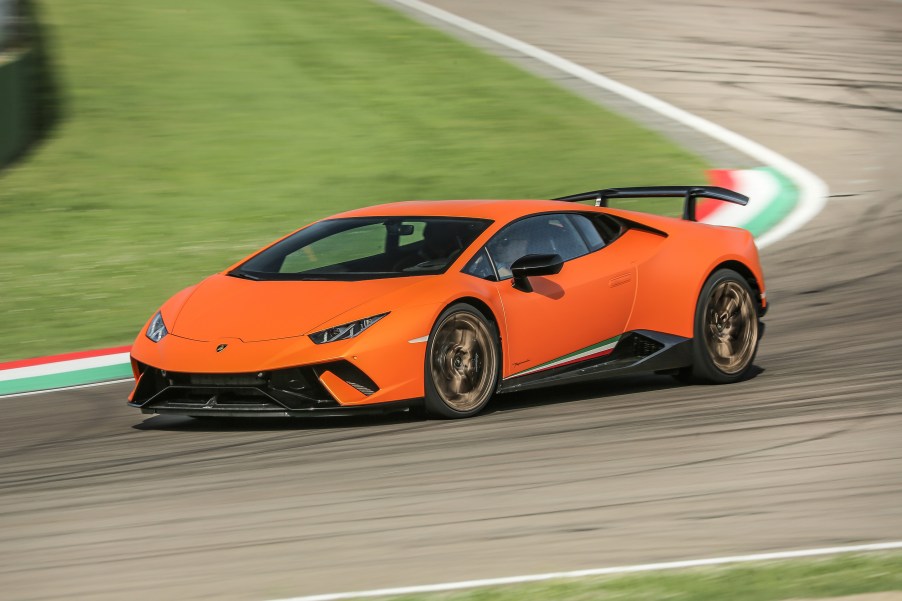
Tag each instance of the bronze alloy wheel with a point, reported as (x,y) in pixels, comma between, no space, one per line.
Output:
(730,329)
(463,361)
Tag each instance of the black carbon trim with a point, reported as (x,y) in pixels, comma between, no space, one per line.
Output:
(374,409)
(689,194)
(637,351)
(276,392)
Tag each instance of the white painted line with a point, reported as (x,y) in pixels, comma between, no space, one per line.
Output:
(812,190)
(61,367)
(646,567)
(64,388)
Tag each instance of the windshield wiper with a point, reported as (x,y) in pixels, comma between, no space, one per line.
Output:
(235,273)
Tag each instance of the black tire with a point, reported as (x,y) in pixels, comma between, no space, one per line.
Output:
(463,361)
(726,331)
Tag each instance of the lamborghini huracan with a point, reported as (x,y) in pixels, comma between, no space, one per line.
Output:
(443,305)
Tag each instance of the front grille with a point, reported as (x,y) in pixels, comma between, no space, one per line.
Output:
(226,379)
(237,399)
(296,388)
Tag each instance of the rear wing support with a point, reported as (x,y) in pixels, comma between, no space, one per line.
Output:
(688,193)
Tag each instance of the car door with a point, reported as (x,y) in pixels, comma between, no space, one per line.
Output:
(573,315)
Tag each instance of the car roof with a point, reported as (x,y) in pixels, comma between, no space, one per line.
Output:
(497,210)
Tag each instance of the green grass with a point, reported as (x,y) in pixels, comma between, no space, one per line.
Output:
(797,579)
(195,132)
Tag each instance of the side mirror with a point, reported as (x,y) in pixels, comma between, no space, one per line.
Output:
(531,265)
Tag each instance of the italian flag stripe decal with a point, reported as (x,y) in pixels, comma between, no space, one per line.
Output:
(590,352)
(63,371)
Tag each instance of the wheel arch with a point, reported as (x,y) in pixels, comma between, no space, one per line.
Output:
(478,304)
(487,312)
(745,271)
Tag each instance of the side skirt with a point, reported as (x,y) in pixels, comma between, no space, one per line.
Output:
(639,351)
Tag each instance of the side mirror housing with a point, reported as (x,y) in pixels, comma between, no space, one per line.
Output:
(532,265)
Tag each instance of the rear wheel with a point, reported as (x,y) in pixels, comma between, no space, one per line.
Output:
(726,330)
(462,363)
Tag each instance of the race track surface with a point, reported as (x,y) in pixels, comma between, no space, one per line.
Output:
(98,501)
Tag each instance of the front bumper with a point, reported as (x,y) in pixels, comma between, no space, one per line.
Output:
(295,391)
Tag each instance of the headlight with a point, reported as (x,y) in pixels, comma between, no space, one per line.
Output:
(157,329)
(345,331)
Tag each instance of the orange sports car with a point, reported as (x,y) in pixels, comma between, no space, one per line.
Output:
(444,304)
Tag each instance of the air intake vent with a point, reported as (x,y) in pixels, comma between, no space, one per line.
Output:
(361,388)
(353,376)
(637,346)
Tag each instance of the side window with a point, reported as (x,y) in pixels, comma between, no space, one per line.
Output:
(537,235)
(588,231)
(610,228)
(481,266)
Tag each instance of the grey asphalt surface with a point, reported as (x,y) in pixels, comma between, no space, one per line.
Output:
(100,502)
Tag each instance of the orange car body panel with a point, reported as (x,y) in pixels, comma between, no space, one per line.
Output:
(641,281)
(585,303)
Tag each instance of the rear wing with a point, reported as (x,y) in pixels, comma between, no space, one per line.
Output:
(688,193)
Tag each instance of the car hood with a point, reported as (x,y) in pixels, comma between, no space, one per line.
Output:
(226,307)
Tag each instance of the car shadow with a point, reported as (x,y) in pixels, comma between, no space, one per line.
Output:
(609,388)
(180,423)
(616,387)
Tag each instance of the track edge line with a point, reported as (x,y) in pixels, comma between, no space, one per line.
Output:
(628,569)
(813,190)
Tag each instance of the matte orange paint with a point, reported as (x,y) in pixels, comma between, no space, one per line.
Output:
(641,281)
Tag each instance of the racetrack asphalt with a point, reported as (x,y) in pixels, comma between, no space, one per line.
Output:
(98,501)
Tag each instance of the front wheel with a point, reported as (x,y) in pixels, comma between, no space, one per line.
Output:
(462,363)
(726,330)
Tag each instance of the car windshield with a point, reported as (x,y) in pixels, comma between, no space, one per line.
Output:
(365,248)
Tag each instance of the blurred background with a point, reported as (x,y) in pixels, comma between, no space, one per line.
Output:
(144,145)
